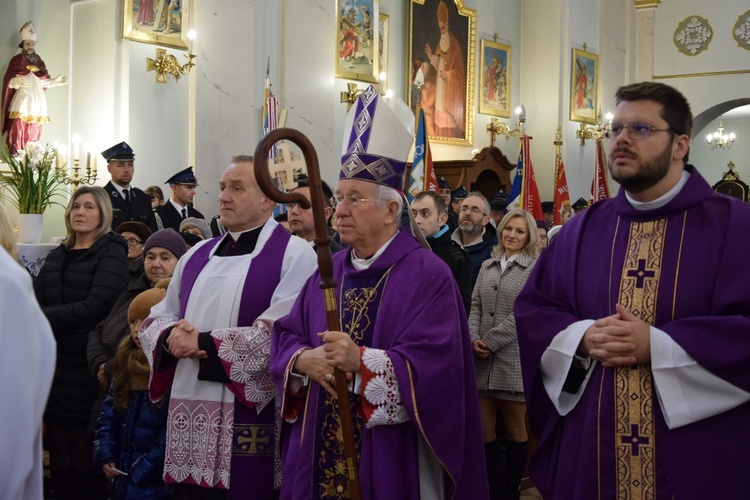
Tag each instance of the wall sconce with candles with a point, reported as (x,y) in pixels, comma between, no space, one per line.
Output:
(352,92)
(90,177)
(585,133)
(499,128)
(166,64)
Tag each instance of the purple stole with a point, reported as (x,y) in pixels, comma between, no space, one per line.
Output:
(253,436)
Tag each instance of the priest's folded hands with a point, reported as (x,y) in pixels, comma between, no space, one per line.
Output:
(183,341)
(617,340)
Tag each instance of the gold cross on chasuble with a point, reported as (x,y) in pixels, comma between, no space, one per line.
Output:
(634,418)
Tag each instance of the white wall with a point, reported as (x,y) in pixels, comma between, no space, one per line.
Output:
(215,112)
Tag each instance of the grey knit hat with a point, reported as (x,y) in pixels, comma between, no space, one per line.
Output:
(166,238)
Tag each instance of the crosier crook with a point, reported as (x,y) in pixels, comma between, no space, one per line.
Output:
(325,265)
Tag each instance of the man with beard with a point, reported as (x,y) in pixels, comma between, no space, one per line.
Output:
(24,102)
(633,326)
(472,235)
(448,63)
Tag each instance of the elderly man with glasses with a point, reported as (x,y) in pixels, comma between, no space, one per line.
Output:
(475,234)
(633,326)
(403,340)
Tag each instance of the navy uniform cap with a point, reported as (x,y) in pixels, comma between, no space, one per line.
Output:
(183,177)
(120,151)
(459,194)
(499,201)
(580,203)
(443,183)
(548,206)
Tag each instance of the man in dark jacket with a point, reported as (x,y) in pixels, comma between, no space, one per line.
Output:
(179,206)
(475,234)
(128,202)
(429,211)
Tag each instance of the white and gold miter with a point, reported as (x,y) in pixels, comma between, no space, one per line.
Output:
(376,142)
(28,32)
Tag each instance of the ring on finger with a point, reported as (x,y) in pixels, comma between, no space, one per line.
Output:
(328,377)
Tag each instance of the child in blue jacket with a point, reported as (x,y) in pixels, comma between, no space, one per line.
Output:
(131,431)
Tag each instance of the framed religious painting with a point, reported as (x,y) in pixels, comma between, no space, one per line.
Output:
(441,50)
(494,79)
(159,22)
(584,100)
(383,51)
(357,40)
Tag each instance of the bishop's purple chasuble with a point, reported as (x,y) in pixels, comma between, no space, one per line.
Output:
(407,305)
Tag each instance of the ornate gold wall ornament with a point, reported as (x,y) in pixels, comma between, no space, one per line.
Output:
(741,30)
(166,64)
(693,35)
(647,4)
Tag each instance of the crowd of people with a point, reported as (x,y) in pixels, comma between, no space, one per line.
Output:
(211,367)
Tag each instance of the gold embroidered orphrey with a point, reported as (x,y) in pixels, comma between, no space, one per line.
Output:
(634,420)
(254,440)
(355,302)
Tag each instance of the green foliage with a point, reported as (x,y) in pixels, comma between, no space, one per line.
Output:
(33,181)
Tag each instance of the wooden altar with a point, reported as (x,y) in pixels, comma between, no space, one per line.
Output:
(487,172)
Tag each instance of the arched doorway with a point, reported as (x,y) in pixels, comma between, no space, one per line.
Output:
(488,183)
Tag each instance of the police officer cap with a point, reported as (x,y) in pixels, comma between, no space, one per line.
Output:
(499,201)
(443,183)
(120,151)
(459,194)
(547,207)
(183,177)
(579,204)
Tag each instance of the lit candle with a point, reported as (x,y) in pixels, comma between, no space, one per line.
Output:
(191,37)
(57,155)
(88,161)
(76,146)
(95,164)
(62,152)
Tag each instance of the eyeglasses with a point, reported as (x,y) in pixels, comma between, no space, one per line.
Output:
(638,131)
(290,206)
(133,242)
(352,200)
(473,210)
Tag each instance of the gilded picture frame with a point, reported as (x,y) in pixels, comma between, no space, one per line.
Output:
(383,26)
(442,71)
(584,81)
(158,22)
(357,40)
(494,79)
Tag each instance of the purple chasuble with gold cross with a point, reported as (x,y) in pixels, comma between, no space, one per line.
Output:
(681,268)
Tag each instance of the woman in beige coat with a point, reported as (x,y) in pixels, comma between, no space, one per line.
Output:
(493,334)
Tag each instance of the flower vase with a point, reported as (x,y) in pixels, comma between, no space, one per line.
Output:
(30,228)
